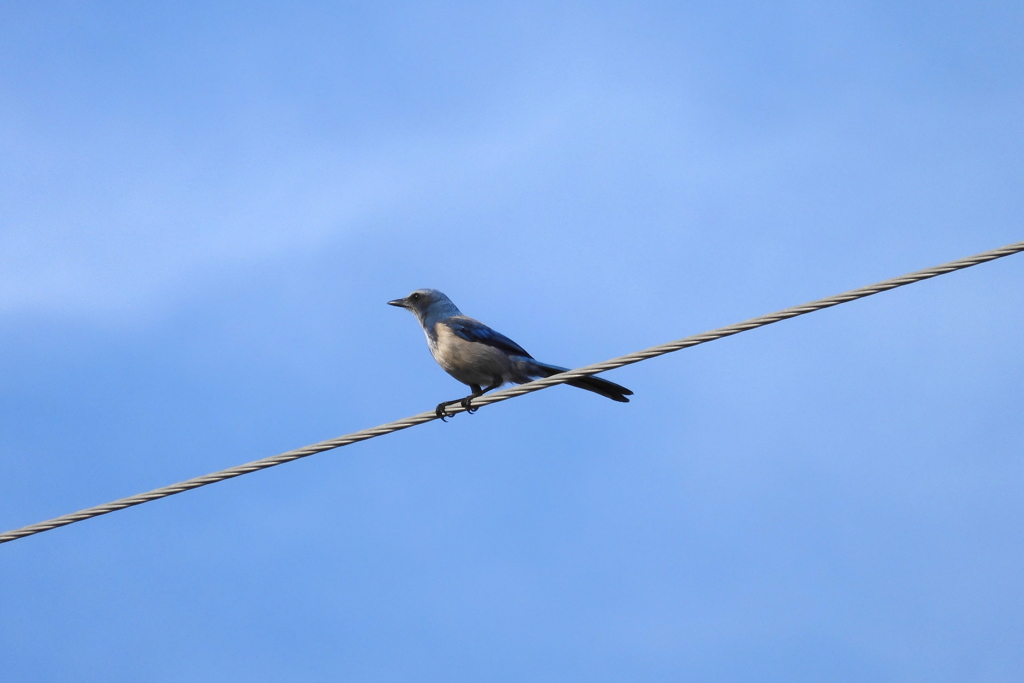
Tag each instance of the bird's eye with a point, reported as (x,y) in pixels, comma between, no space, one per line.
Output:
(414,296)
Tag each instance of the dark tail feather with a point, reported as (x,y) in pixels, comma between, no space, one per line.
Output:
(602,386)
(599,386)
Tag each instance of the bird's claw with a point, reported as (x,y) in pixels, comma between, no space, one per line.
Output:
(466,403)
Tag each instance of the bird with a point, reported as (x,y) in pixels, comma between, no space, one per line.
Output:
(482,358)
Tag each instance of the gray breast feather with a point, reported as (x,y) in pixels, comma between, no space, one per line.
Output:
(467,361)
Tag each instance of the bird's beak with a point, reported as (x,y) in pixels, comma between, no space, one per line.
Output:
(397,302)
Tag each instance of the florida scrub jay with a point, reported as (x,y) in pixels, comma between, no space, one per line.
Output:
(481,358)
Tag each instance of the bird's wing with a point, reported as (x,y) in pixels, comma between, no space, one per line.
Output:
(476,331)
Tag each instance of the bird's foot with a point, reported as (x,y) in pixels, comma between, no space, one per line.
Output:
(442,412)
(467,403)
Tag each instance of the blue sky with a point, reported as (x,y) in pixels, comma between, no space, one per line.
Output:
(204,207)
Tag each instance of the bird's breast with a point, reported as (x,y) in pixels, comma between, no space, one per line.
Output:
(469,362)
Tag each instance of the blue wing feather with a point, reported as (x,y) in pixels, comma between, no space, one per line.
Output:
(476,331)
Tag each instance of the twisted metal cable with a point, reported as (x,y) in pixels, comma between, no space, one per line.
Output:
(512,392)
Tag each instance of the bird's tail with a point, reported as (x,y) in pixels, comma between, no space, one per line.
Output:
(599,386)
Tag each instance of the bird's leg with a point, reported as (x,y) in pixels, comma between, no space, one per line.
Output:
(467,402)
(442,411)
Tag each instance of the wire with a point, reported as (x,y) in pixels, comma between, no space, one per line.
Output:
(512,392)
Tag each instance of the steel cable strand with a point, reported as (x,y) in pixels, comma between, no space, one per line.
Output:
(505,394)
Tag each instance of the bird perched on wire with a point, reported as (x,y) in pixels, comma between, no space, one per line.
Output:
(480,357)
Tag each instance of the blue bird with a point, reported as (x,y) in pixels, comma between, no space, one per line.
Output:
(480,357)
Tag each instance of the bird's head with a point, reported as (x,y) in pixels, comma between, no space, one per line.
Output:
(427,305)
